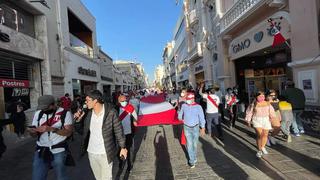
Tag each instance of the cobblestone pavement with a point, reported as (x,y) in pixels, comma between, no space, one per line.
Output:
(160,156)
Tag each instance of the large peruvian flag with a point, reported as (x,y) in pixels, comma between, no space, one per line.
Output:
(154,110)
(157,113)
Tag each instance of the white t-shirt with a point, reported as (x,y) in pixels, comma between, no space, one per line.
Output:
(210,107)
(48,139)
(96,142)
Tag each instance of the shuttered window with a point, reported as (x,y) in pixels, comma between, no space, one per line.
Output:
(14,70)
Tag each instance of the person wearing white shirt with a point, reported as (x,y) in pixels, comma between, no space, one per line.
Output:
(212,112)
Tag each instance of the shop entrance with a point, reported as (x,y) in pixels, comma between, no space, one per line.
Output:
(262,71)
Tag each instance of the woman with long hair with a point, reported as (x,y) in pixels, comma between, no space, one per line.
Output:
(260,113)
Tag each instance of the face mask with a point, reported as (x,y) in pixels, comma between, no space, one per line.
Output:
(123,104)
(182,94)
(189,101)
(260,98)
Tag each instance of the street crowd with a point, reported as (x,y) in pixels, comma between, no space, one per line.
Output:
(108,125)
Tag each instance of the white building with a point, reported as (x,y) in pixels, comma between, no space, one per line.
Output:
(79,49)
(158,76)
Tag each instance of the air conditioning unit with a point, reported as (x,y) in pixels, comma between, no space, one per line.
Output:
(277,3)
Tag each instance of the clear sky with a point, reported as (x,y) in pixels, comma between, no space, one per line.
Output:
(135,29)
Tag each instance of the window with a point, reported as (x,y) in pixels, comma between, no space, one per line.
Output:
(16,18)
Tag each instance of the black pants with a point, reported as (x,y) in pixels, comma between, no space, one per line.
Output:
(129,143)
(221,110)
(233,115)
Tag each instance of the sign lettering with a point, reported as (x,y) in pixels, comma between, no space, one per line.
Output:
(13,83)
(241,46)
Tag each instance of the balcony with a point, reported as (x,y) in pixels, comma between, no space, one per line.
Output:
(238,10)
(193,18)
(80,46)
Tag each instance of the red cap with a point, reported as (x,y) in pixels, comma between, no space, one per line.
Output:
(190,96)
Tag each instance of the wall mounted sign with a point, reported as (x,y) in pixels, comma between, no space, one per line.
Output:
(258,36)
(241,46)
(14,83)
(87,72)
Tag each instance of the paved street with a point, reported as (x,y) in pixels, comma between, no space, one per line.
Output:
(160,156)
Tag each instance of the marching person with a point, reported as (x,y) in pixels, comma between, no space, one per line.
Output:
(51,125)
(102,129)
(231,106)
(128,118)
(65,102)
(212,111)
(259,113)
(194,121)
(275,123)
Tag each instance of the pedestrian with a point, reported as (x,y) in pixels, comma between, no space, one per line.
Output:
(65,102)
(128,117)
(102,130)
(231,106)
(194,121)
(51,125)
(212,112)
(286,117)
(221,105)
(275,122)
(3,147)
(76,103)
(297,99)
(18,118)
(259,113)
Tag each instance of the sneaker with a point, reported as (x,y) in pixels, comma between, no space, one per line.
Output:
(264,151)
(297,135)
(272,140)
(289,140)
(301,131)
(259,154)
(192,166)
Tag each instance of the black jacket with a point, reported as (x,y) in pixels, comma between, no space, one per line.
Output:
(112,132)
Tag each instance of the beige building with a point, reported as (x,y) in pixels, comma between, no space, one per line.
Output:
(158,75)
(246,57)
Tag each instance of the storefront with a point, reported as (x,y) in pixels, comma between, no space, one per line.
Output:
(183,79)
(258,65)
(199,72)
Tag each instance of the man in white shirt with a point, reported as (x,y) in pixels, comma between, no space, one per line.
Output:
(212,111)
(52,126)
(102,129)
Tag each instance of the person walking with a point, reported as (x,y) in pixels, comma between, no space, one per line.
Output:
(221,105)
(65,102)
(194,121)
(102,130)
(286,117)
(231,106)
(275,122)
(128,117)
(51,126)
(18,118)
(297,99)
(259,113)
(212,112)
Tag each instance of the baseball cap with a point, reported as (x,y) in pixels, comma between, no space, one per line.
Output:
(45,101)
(190,96)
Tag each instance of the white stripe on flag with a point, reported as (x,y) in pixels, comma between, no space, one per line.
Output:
(147,108)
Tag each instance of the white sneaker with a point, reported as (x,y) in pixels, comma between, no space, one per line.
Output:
(302,132)
(259,154)
(264,151)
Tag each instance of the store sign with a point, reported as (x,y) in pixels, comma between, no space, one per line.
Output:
(13,83)
(87,72)
(241,46)
(106,78)
(258,36)
(17,92)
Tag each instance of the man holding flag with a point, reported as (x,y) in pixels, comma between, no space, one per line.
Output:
(193,117)
(128,118)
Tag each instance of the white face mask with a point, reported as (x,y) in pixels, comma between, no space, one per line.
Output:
(123,104)
(182,94)
(189,101)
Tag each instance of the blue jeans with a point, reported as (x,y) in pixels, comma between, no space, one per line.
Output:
(297,121)
(192,136)
(40,168)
